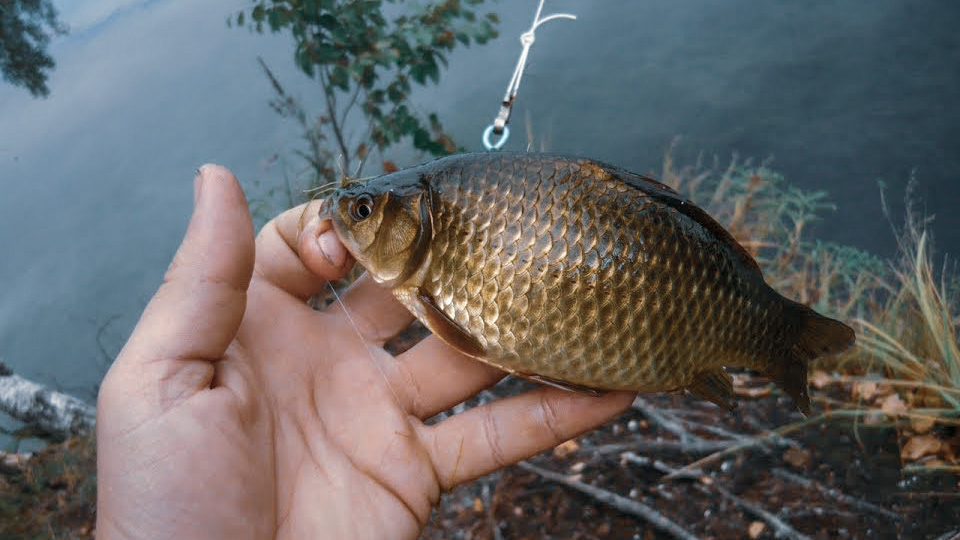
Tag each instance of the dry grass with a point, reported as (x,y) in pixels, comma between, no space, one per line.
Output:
(52,495)
(906,366)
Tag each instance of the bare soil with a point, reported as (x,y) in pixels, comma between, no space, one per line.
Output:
(829,480)
(832,478)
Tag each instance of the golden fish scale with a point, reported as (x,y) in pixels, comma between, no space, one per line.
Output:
(560,270)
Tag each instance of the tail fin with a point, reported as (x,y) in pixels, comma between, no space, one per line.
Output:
(815,336)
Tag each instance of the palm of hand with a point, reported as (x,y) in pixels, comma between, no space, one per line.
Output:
(236,411)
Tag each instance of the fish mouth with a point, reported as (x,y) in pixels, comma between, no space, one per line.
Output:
(325,209)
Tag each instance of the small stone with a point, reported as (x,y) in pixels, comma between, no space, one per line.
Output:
(756,529)
(632,425)
(797,457)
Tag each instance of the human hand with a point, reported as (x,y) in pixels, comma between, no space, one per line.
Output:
(237,411)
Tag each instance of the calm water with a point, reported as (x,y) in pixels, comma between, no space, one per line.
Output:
(96,180)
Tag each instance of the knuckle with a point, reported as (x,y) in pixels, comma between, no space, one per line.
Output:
(493,438)
(551,421)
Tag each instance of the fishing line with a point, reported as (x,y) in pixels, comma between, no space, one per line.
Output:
(499,125)
(366,345)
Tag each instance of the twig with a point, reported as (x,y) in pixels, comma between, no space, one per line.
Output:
(835,493)
(781,529)
(662,420)
(623,504)
(705,484)
(932,494)
(774,435)
(640,444)
(691,442)
(657,464)
(716,430)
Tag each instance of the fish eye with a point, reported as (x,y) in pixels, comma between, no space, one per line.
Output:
(361,208)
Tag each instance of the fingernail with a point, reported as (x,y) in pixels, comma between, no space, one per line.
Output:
(332,249)
(197,186)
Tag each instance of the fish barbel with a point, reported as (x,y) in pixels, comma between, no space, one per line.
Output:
(578,274)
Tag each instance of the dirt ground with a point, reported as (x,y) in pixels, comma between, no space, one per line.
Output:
(828,480)
(673,466)
(833,478)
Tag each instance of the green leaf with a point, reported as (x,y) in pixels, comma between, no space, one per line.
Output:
(340,78)
(258,13)
(356,47)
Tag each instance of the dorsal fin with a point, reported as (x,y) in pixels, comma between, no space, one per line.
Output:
(657,191)
(662,193)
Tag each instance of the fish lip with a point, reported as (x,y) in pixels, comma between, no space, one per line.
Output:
(326,208)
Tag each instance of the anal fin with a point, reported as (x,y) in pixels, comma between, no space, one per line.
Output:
(716,386)
(563,385)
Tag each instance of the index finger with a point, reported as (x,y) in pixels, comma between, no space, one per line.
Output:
(298,252)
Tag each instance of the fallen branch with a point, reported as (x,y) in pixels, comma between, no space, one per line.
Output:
(836,493)
(628,506)
(45,410)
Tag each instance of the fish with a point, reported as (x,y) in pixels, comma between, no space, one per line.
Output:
(578,274)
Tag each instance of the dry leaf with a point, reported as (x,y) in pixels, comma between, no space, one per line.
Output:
(920,446)
(820,379)
(565,448)
(798,457)
(864,389)
(756,529)
(892,405)
(477,504)
(754,392)
(921,425)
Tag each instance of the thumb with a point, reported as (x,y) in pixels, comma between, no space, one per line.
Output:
(197,310)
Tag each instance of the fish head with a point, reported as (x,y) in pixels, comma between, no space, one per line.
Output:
(385,223)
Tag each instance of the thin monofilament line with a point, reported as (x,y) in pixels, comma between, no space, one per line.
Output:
(366,346)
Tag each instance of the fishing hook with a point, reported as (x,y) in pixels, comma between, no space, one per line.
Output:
(499,125)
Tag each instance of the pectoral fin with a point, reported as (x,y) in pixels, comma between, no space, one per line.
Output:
(425,308)
(715,385)
(563,385)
